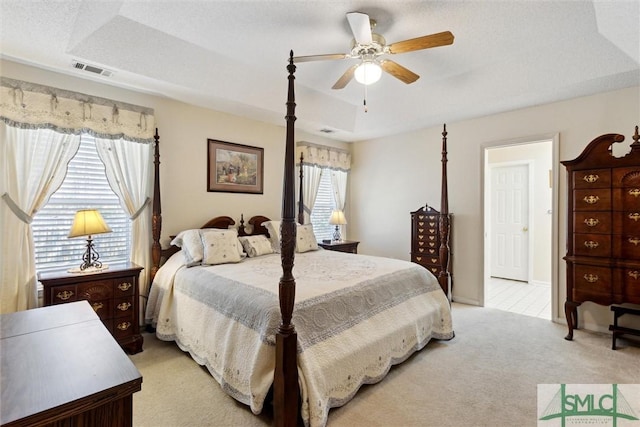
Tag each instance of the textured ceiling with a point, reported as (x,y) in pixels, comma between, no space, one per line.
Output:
(231,55)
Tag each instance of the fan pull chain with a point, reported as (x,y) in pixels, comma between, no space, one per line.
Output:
(366,110)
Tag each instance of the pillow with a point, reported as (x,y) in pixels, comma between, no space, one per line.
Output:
(305,239)
(273,227)
(220,247)
(256,245)
(191,244)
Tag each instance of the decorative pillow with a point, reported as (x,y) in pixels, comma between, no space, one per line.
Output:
(305,239)
(191,244)
(273,227)
(256,245)
(220,247)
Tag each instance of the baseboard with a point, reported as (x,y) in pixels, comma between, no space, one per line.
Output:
(463,300)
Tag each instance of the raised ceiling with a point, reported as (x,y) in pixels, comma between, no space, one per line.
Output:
(231,55)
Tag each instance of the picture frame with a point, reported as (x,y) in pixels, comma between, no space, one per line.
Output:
(234,168)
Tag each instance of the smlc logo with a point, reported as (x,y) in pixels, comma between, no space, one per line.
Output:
(588,405)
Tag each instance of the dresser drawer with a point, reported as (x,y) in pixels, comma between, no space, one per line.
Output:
(626,246)
(123,328)
(626,222)
(95,290)
(591,283)
(124,286)
(102,308)
(592,222)
(593,178)
(63,294)
(592,200)
(631,289)
(123,307)
(596,245)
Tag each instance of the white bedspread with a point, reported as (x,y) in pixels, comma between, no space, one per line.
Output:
(355,316)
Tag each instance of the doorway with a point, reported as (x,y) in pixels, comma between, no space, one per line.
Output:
(520,227)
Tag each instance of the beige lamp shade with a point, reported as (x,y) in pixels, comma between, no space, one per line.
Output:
(88,222)
(337,218)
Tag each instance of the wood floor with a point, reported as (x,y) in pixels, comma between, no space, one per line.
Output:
(519,297)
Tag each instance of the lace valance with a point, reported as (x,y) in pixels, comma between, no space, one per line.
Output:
(324,156)
(30,105)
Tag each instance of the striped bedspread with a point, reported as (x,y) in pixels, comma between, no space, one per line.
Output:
(355,316)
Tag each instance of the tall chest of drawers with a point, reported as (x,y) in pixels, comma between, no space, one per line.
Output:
(603,230)
(426,239)
(112,293)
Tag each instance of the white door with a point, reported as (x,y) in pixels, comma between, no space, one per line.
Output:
(510,222)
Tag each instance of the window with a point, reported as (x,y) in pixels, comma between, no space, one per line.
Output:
(85,186)
(322,209)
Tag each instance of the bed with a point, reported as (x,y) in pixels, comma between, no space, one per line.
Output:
(333,322)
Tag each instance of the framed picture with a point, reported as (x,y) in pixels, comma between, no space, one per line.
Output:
(234,168)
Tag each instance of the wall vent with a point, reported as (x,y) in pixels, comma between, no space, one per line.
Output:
(91,68)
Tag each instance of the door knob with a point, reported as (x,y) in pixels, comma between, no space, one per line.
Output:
(525,228)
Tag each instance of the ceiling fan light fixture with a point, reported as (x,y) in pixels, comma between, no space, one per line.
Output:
(368,72)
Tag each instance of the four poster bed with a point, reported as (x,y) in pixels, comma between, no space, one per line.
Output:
(355,315)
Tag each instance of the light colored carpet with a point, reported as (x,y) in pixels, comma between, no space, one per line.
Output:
(486,376)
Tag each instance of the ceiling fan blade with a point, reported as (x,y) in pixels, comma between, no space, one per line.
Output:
(329,56)
(360,27)
(398,71)
(345,78)
(424,42)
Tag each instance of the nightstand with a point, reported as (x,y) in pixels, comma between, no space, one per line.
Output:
(113,294)
(341,246)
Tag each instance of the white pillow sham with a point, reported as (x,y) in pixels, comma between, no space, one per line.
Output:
(256,245)
(190,241)
(220,247)
(305,238)
(273,227)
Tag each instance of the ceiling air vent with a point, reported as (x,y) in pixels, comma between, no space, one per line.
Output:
(92,69)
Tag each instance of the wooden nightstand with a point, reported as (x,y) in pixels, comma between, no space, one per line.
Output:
(341,246)
(113,294)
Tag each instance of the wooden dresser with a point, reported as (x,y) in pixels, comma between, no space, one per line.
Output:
(113,293)
(426,241)
(61,367)
(603,230)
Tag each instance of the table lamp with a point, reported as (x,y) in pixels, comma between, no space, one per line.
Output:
(88,222)
(337,218)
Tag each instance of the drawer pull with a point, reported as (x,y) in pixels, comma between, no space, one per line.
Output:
(635,274)
(634,216)
(592,222)
(123,326)
(635,192)
(591,244)
(421,224)
(125,286)
(592,200)
(434,260)
(634,240)
(97,306)
(419,258)
(420,230)
(124,306)
(64,295)
(421,249)
(591,178)
(591,278)
(420,216)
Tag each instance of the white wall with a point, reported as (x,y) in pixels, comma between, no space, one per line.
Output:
(183,131)
(395,175)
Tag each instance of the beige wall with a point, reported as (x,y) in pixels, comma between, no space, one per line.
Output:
(395,175)
(183,131)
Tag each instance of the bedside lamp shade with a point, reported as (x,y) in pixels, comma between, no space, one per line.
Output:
(88,222)
(337,218)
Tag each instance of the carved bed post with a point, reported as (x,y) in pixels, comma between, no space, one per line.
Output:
(301,198)
(444,277)
(156,216)
(285,381)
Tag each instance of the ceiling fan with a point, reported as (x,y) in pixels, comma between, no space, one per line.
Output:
(369,47)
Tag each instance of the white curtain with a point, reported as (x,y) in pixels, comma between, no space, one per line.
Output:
(310,182)
(34,163)
(316,160)
(41,128)
(129,170)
